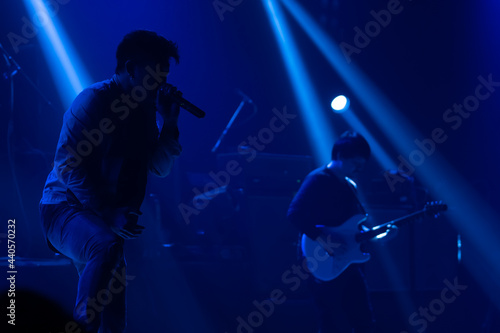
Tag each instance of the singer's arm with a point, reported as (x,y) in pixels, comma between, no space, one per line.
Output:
(167,148)
(77,169)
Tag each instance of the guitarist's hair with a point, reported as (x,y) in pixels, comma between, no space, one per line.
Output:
(351,144)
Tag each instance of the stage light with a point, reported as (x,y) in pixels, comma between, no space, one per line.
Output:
(432,169)
(340,104)
(379,107)
(354,78)
(66,68)
(319,131)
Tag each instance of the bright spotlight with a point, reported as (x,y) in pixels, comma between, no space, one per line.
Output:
(340,104)
(65,65)
(317,126)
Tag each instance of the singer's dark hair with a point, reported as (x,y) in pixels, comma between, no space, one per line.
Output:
(350,145)
(145,45)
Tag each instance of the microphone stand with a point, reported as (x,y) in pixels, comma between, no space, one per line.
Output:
(12,70)
(11,62)
(231,121)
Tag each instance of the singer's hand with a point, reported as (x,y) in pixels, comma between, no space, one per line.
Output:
(124,223)
(166,104)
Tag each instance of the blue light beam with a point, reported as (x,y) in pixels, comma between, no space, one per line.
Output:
(66,68)
(320,134)
(378,152)
(383,112)
(470,216)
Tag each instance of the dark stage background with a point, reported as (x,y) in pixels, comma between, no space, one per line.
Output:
(211,271)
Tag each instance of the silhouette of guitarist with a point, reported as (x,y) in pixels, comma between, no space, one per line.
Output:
(328,198)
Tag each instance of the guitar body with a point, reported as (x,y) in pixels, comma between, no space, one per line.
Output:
(344,242)
(326,267)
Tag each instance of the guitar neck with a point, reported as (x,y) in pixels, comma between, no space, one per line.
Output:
(364,236)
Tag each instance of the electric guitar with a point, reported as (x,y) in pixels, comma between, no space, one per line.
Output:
(328,259)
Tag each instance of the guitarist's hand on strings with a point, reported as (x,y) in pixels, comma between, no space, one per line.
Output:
(390,232)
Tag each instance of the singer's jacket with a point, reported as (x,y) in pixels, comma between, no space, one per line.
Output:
(107,146)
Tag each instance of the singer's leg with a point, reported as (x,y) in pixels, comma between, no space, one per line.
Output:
(95,250)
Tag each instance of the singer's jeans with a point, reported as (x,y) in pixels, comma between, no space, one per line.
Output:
(97,254)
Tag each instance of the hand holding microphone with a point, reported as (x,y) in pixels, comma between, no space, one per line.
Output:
(168,106)
(168,95)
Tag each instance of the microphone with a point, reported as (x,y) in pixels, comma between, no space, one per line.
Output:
(172,92)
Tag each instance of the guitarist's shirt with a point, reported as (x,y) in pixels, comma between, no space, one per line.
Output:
(323,199)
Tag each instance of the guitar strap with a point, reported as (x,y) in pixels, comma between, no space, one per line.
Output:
(352,186)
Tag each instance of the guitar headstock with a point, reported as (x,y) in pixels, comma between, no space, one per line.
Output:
(434,208)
